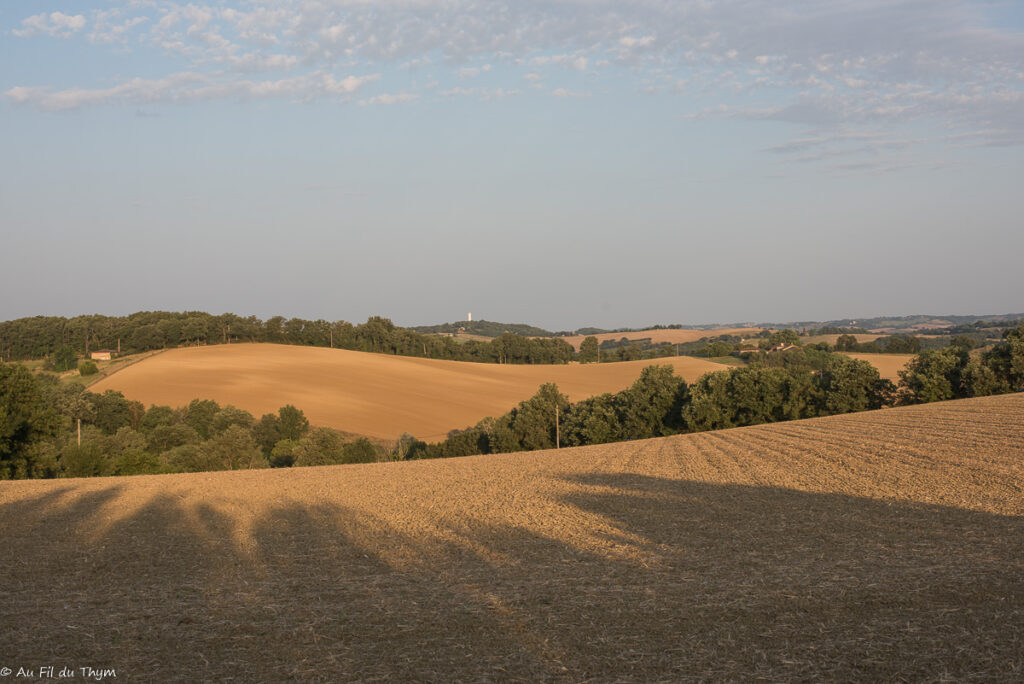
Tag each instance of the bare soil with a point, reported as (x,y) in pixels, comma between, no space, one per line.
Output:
(378,395)
(882,546)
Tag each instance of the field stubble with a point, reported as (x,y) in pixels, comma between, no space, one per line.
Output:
(883,546)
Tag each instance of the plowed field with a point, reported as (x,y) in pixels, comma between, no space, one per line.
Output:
(883,546)
(369,394)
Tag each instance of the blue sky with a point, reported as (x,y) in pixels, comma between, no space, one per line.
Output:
(563,163)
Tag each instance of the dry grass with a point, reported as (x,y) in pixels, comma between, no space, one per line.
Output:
(884,546)
(888,365)
(370,394)
(670,336)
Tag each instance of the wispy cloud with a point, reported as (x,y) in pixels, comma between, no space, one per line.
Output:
(389,99)
(189,86)
(837,65)
(55,24)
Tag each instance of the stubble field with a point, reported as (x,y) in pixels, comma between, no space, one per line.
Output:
(888,365)
(377,395)
(882,546)
(662,336)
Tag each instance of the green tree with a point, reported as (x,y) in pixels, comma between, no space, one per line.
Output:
(113,412)
(652,406)
(902,344)
(710,406)
(27,416)
(588,350)
(293,423)
(359,451)
(1006,359)
(934,375)
(406,448)
(85,460)
(592,421)
(282,455)
(166,437)
(267,433)
(322,446)
(851,385)
(980,380)
(233,449)
(64,359)
(159,415)
(533,421)
(231,415)
(846,343)
(786,336)
(199,415)
(187,458)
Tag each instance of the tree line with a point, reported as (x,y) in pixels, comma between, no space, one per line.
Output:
(53,429)
(786,385)
(49,336)
(50,429)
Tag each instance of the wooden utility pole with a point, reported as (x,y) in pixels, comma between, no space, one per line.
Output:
(558,440)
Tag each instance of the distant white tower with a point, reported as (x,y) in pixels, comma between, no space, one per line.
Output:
(469,317)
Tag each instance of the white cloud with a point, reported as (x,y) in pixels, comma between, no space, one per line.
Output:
(55,24)
(189,86)
(631,42)
(387,99)
(841,63)
(108,29)
(562,92)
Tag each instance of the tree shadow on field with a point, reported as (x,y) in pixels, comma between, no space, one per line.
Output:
(634,579)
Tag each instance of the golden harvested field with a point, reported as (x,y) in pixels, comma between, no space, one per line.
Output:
(882,546)
(888,365)
(660,336)
(369,394)
(831,339)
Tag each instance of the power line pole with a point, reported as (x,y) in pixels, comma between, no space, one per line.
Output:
(558,440)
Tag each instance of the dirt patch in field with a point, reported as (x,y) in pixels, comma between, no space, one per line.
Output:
(670,336)
(884,546)
(888,365)
(371,394)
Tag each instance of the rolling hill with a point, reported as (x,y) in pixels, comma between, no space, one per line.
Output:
(881,546)
(377,395)
(662,335)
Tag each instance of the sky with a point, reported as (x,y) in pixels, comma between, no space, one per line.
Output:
(564,163)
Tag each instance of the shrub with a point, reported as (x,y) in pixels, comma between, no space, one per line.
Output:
(87,368)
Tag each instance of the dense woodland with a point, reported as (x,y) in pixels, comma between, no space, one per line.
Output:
(44,336)
(54,429)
